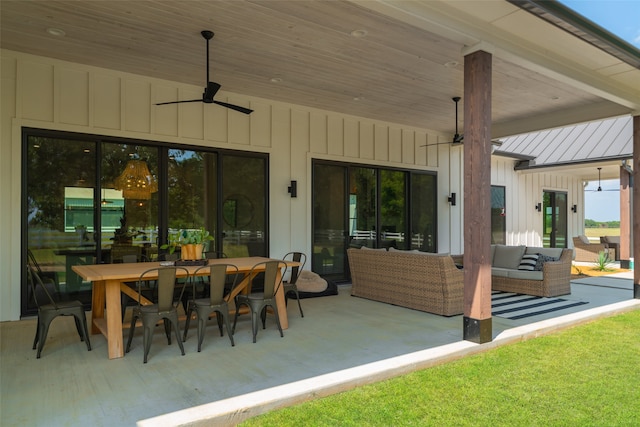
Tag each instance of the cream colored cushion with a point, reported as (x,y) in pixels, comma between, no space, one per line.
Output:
(508,256)
(584,239)
(309,281)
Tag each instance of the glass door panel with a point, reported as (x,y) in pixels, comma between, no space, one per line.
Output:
(363,207)
(498,215)
(554,219)
(244,210)
(329,219)
(129,202)
(423,212)
(59,215)
(393,209)
(192,192)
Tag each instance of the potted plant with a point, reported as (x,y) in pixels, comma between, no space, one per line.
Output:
(191,242)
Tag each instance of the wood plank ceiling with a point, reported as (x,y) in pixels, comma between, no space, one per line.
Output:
(341,56)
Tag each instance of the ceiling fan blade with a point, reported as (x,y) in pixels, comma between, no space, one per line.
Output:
(178,102)
(234,107)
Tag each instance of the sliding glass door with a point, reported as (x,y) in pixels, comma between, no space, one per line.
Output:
(89,199)
(358,206)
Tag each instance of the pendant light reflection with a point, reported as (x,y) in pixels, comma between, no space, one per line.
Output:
(136,182)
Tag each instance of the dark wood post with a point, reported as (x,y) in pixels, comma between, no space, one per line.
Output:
(625,218)
(477,197)
(635,207)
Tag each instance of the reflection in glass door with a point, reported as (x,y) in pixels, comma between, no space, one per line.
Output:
(362,207)
(59,196)
(192,193)
(554,219)
(244,209)
(329,219)
(129,203)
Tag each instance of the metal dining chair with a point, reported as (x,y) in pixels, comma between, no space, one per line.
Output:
(164,308)
(259,301)
(216,303)
(289,286)
(49,308)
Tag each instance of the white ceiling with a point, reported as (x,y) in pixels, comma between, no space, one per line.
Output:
(403,70)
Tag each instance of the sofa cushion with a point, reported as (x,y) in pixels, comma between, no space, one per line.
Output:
(542,259)
(527,275)
(501,272)
(373,249)
(508,256)
(611,239)
(528,262)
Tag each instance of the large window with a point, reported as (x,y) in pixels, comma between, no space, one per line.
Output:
(90,199)
(355,206)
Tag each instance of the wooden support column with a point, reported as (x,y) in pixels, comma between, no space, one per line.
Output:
(625,217)
(477,325)
(635,207)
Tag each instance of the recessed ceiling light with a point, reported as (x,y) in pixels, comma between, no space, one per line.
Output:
(451,64)
(359,33)
(555,98)
(56,32)
(276,80)
(358,98)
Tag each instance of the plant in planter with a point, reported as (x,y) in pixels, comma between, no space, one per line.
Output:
(190,241)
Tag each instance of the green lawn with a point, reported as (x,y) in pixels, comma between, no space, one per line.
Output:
(585,376)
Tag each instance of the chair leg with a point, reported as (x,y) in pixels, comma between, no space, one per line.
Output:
(146,338)
(173,322)
(254,323)
(167,330)
(202,324)
(186,323)
(42,336)
(275,312)
(235,317)
(131,330)
(299,306)
(82,322)
(226,321)
(219,320)
(35,339)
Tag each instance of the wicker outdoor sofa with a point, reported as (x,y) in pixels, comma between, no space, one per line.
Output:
(417,280)
(551,275)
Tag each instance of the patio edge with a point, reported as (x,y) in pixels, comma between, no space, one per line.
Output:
(231,411)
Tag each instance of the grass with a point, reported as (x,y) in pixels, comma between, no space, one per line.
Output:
(597,232)
(584,376)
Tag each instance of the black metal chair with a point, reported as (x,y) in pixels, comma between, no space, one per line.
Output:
(49,309)
(165,308)
(259,301)
(216,303)
(44,275)
(289,286)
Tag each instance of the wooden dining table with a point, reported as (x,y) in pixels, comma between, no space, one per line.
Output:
(109,281)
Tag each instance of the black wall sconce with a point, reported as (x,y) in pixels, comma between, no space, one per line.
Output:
(293,189)
(539,207)
(574,208)
(452,199)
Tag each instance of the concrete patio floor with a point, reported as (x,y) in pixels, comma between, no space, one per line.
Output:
(342,342)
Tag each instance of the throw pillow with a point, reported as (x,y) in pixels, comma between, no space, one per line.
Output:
(542,259)
(584,239)
(528,262)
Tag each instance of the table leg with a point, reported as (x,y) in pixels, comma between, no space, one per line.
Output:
(97,305)
(114,319)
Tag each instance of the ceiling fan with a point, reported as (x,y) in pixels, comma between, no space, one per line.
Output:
(212,87)
(457,138)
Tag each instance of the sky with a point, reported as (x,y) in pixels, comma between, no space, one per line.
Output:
(622,18)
